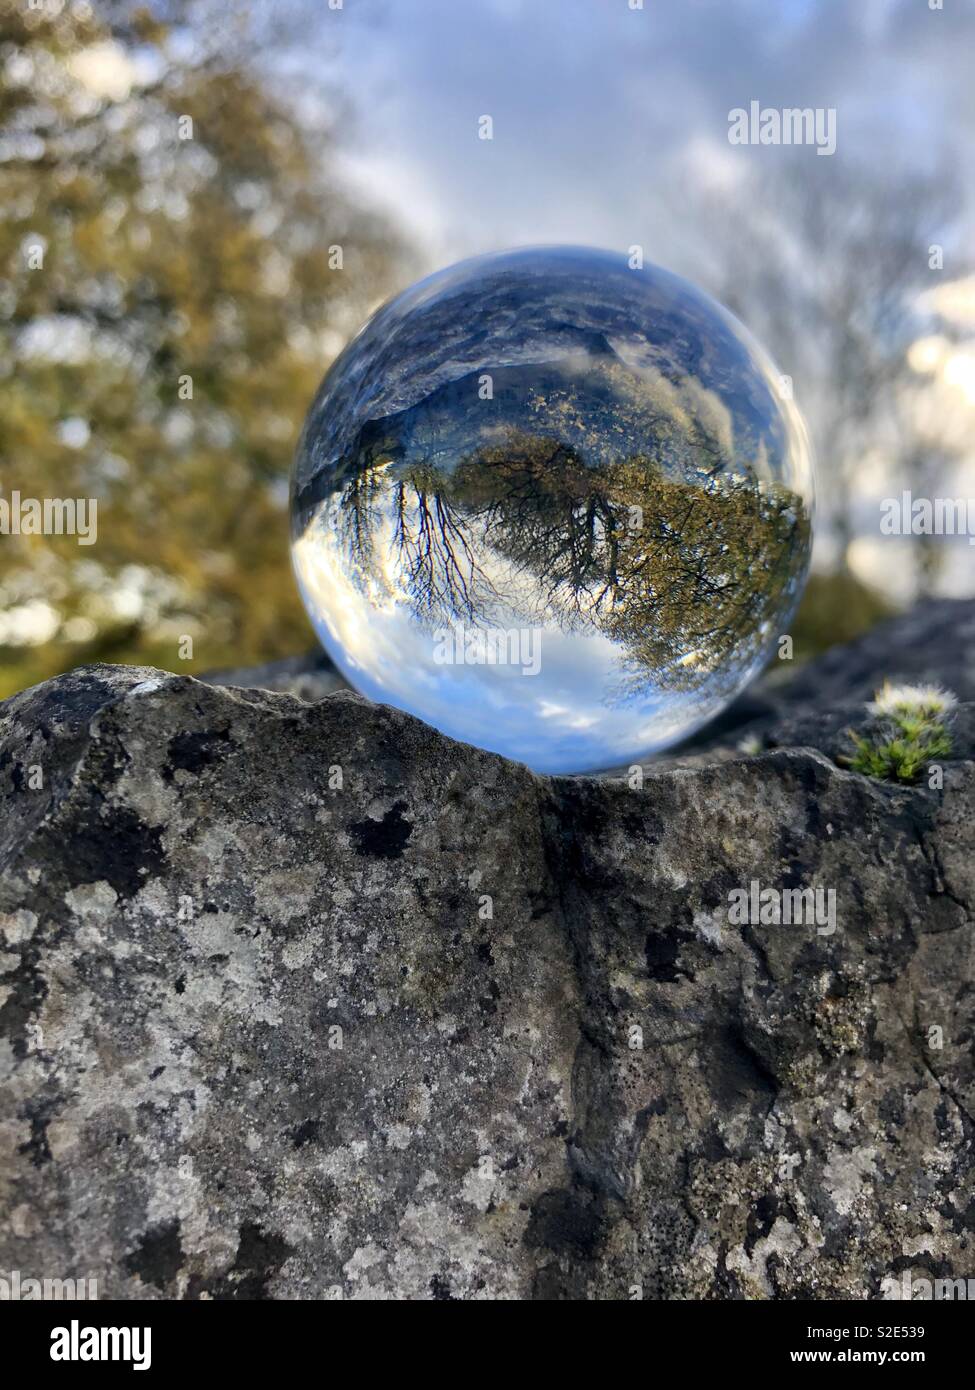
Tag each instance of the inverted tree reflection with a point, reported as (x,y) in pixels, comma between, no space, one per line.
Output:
(682,573)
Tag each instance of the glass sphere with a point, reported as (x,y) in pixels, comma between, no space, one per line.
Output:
(555,506)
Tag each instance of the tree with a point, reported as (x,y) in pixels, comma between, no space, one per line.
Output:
(178,266)
(685,575)
(825,262)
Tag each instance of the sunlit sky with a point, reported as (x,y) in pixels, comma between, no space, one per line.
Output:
(596,104)
(609,121)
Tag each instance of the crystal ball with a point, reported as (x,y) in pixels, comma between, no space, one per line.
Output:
(556,505)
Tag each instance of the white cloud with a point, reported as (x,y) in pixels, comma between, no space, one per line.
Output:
(954,302)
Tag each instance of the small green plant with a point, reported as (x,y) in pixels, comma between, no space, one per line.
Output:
(911,732)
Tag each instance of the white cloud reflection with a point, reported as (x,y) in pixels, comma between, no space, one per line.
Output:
(389,658)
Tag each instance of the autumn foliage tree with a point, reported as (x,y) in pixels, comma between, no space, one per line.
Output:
(177,268)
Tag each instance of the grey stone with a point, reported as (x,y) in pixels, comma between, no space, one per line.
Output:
(933,642)
(310,677)
(304,1000)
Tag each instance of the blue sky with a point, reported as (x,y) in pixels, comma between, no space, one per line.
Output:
(598,108)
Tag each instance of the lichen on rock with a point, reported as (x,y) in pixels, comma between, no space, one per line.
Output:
(304,1000)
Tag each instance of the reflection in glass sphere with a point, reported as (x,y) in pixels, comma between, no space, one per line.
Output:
(554,506)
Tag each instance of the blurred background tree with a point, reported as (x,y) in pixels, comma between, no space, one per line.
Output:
(831,264)
(178,265)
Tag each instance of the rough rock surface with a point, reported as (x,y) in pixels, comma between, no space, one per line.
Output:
(306,1000)
(310,677)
